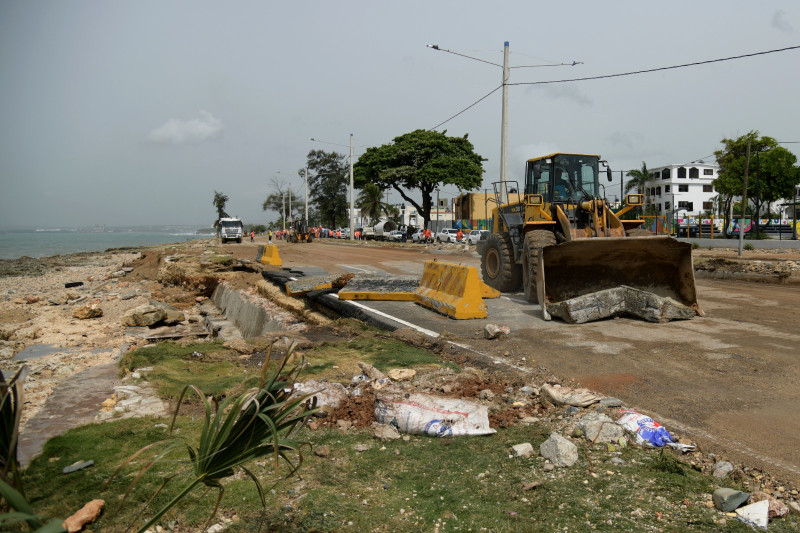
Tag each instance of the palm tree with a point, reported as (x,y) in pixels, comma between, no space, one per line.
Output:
(370,201)
(640,178)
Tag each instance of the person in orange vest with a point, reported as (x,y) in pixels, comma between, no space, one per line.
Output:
(459,235)
(358,235)
(339,234)
(427,234)
(252,236)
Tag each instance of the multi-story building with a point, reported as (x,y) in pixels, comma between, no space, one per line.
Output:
(678,191)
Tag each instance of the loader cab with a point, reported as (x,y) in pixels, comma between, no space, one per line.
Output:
(563,178)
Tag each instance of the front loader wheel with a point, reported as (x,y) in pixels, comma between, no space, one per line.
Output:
(534,242)
(497,264)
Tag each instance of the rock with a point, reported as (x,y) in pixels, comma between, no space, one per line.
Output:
(598,427)
(530,486)
(127,295)
(493,331)
(31,299)
(528,391)
(344,425)
(548,467)
(559,450)
(118,274)
(362,447)
(728,500)
(59,299)
(722,469)
(80,465)
(522,450)
(776,507)
(127,270)
(322,451)
(611,402)
(755,514)
(571,410)
(402,374)
(529,421)
(486,394)
(794,508)
(217,528)
(87,311)
(617,461)
(240,346)
(86,515)
(144,315)
(172,316)
(385,432)
(370,371)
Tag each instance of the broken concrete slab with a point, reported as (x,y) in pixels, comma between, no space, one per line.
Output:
(620,301)
(376,287)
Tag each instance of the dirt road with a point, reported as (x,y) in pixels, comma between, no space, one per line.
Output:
(730,381)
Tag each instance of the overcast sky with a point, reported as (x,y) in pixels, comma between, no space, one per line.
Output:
(126,113)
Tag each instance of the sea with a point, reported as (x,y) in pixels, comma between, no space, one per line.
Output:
(48,242)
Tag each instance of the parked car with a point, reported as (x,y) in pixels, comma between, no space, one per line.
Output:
(447,235)
(395,236)
(476,235)
(417,236)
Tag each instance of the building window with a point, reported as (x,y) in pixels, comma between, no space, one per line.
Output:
(708,188)
(666,188)
(659,208)
(658,191)
(683,188)
(689,206)
(665,174)
(666,206)
(694,173)
(681,173)
(708,172)
(708,206)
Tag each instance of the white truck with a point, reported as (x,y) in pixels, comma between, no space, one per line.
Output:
(230,229)
(382,229)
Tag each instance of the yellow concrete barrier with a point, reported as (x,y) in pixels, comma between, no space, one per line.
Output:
(453,290)
(268,255)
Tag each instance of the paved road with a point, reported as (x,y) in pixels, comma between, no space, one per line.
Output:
(761,244)
(730,380)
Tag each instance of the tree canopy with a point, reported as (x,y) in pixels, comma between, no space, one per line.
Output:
(281,199)
(328,181)
(219,202)
(772,174)
(421,160)
(370,202)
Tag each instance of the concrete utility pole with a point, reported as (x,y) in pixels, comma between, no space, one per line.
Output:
(290,202)
(504,128)
(744,202)
(352,214)
(283,209)
(306,196)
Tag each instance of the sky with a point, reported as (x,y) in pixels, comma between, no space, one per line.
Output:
(135,112)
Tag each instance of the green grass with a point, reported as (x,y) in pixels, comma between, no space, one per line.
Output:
(459,484)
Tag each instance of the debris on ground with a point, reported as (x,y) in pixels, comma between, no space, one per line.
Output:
(647,431)
(86,515)
(493,331)
(568,396)
(559,450)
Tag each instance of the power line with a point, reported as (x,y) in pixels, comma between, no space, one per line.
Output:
(487,95)
(436,47)
(551,65)
(659,68)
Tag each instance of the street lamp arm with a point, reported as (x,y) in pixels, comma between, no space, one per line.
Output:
(436,47)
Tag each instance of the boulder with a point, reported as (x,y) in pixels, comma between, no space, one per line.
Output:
(755,514)
(597,427)
(776,507)
(144,315)
(728,500)
(385,432)
(522,450)
(402,374)
(87,311)
(173,316)
(722,469)
(559,450)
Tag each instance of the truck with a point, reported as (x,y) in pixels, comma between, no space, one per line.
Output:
(559,240)
(230,229)
(382,229)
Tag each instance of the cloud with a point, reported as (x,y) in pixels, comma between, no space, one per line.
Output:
(629,140)
(779,21)
(567,92)
(195,130)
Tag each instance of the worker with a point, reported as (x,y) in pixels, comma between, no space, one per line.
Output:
(427,234)
(459,235)
(252,236)
(270,236)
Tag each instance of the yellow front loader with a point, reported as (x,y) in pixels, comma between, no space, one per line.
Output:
(560,240)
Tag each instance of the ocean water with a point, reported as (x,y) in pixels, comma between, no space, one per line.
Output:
(48,243)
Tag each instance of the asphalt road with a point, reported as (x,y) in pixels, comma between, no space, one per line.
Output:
(729,380)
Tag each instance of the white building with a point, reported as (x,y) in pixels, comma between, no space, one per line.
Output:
(679,191)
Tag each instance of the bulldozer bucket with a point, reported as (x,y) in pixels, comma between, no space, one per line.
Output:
(591,279)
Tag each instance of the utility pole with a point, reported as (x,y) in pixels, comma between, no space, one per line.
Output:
(743,207)
(306,196)
(504,128)
(290,202)
(352,236)
(283,209)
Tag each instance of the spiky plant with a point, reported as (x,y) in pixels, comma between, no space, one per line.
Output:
(257,423)
(24,513)
(10,414)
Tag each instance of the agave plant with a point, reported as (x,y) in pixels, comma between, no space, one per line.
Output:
(257,423)
(24,513)
(10,413)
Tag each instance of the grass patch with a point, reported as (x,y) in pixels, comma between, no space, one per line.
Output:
(338,361)
(224,260)
(153,355)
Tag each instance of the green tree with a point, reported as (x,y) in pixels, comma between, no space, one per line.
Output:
(639,178)
(219,203)
(771,174)
(421,160)
(328,181)
(370,202)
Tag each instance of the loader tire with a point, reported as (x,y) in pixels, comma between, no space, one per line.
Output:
(638,232)
(534,242)
(497,264)
(310,238)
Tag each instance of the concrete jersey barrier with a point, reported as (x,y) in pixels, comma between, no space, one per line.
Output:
(268,255)
(454,290)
